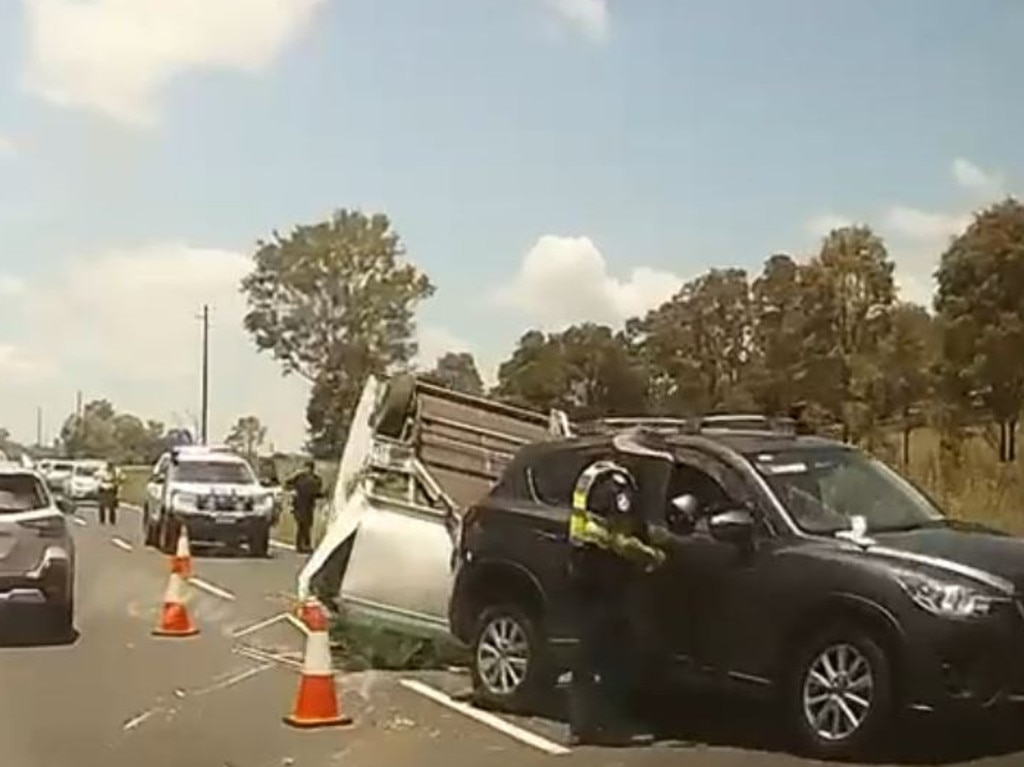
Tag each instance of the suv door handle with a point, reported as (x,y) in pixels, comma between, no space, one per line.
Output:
(549,536)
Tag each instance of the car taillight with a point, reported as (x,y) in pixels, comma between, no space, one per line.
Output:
(47,527)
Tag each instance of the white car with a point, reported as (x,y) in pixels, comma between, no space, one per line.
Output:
(214,493)
(55,471)
(37,552)
(83,484)
(417,455)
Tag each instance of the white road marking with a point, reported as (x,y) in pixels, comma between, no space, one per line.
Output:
(297,623)
(282,545)
(121,544)
(131,724)
(262,655)
(235,679)
(495,722)
(212,588)
(79,521)
(253,628)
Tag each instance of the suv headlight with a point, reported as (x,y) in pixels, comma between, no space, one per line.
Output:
(184,501)
(944,598)
(263,504)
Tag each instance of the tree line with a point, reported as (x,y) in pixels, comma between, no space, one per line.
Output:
(101,431)
(828,336)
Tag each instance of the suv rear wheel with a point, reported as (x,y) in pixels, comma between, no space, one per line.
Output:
(511,669)
(840,693)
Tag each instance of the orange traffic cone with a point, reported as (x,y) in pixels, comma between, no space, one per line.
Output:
(174,618)
(316,703)
(182,559)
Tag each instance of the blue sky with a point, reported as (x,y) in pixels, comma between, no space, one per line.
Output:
(546,161)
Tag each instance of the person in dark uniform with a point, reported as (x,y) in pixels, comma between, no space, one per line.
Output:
(606,554)
(307,488)
(108,493)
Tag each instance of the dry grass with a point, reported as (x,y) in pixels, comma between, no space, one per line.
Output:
(968,482)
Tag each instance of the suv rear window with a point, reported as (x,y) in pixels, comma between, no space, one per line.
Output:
(228,472)
(554,477)
(62,467)
(87,471)
(21,492)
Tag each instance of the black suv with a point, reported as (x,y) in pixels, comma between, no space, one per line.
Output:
(810,572)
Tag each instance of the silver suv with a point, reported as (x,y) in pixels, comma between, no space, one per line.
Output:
(37,552)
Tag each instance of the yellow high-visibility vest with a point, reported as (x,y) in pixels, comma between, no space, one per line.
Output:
(589,529)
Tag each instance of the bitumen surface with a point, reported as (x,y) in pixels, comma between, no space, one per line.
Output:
(113,695)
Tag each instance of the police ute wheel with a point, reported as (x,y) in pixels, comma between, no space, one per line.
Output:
(259,542)
(150,532)
(510,666)
(167,539)
(839,696)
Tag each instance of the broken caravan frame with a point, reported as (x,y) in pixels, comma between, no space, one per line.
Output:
(417,455)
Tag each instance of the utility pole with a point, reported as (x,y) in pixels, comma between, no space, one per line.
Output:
(204,431)
(78,423)
(39,426)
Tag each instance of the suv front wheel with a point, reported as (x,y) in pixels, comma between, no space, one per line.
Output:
(840,694)
(511,670)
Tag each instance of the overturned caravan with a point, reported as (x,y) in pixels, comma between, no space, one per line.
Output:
(417,456)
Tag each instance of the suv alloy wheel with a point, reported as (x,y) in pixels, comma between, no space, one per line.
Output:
(510,668)
(840,696)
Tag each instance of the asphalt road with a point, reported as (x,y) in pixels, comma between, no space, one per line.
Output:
(116,696)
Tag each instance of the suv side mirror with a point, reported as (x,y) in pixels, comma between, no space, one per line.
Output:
(732,526)
(683,512)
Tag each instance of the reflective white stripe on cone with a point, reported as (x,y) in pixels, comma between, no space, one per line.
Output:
(182,560)
(174,618)
(316,702)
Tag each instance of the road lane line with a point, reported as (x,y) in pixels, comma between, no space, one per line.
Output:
(79,521)
(121,544)
(245,631)
(264,656)
(297,623)
(235,679)
(495,722)
(131,724)
(212,588)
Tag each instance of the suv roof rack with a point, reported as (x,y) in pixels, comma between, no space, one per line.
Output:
(715,422)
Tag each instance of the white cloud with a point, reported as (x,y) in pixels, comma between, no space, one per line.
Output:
(21,367)
(563,280)
(11,286)
(115,56)
(589,18)
(975,179)
(925,226)
(8,147)
(124,325)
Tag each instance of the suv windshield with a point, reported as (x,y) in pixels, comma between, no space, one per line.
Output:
(823,489)
(86,471)
(62,467)
(214,471)
(21,492)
